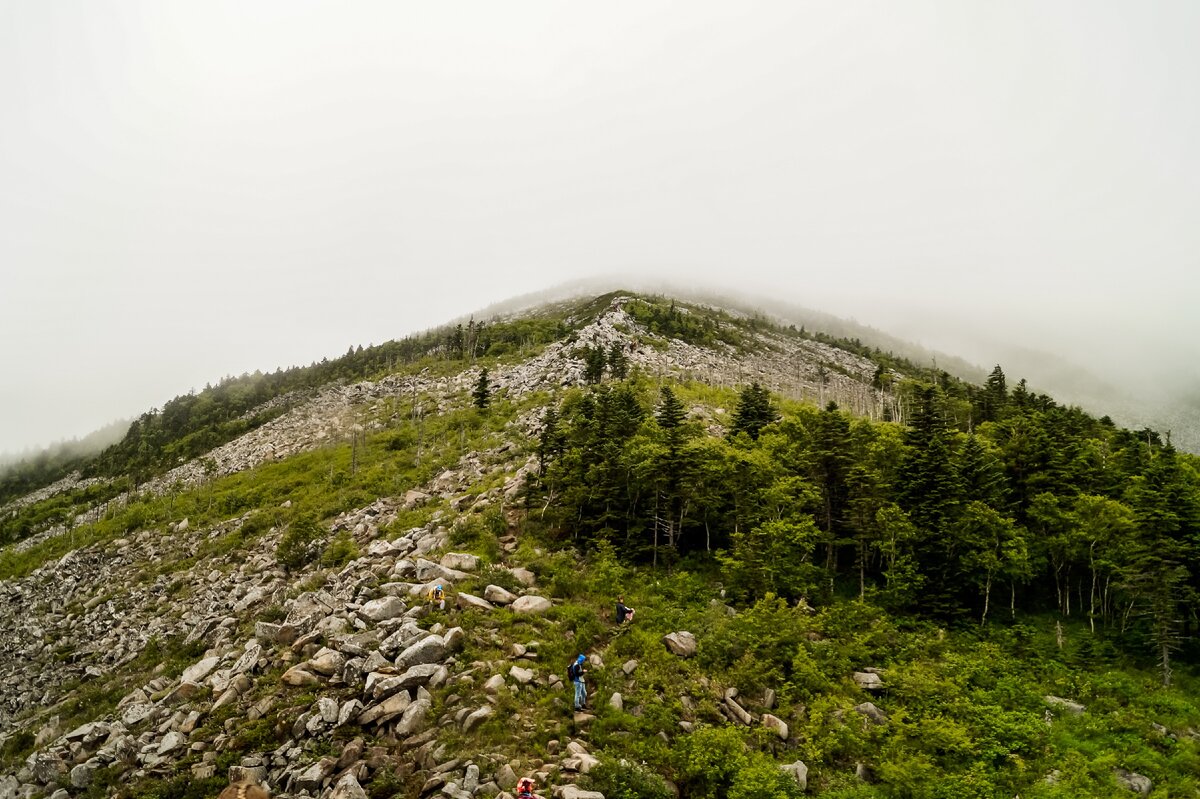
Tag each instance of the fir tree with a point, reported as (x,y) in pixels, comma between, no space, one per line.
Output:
(594,363)
(618,362)
(483,391)
(754,411)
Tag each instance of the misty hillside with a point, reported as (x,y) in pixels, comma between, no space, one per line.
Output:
(853,575)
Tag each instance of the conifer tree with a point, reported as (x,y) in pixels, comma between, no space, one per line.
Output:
(754,411)
(670,413)
(594,363)
(618,362)
(483,391)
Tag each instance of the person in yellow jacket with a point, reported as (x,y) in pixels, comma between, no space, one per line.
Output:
(437,597)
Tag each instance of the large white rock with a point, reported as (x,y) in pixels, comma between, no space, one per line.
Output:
(382,609)
(460,561)
(475,718)
(386,710)
(499,596)
(427,650)
(471,602)
(524,576)
(198,671)
(298,677)
(523,676)
(533,605)
(575,792)
(327,662)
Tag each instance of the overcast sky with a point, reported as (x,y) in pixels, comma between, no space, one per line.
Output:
(195,189)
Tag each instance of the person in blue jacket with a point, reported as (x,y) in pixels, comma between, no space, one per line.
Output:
(576,672)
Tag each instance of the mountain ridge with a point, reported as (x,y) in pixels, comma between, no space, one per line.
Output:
(259,610)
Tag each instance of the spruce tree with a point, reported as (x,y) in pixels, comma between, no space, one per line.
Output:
(594,363)
(670,413)
(754,411)
(618,363)
(483,392)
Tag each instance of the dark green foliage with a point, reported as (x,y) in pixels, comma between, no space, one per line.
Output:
(594,363)
(618,362)
(341,550)
(670,413)
(479,534)
(695,325)
(754,411)
(625,780)
(301,543)
(482,394)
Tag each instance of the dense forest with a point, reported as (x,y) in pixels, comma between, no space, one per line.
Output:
(991,501)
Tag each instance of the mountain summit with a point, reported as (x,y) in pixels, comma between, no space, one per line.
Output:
(850,575)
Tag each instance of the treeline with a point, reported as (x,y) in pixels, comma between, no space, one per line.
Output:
(21,474)
(192,424)
(988,499)
(700,326)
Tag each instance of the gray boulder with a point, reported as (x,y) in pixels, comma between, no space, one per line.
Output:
(1138,783)
(868,681)
(427,650)
(414,718)
(348,788)
(382,609)
(460,561)
(680,643)
(471,602)
(499,596)
(799,772)
(530,604)
(775,725)
(873,713)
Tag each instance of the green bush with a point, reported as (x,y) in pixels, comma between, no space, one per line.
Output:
(474,534)
(708,761)
(623,779)
(341,550)
(761,778)
(300,545)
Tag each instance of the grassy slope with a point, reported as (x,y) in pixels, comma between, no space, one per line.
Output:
(966,710)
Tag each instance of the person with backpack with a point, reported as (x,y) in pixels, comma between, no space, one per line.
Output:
(575,674)
(624,613)
(525,789)
(438,597)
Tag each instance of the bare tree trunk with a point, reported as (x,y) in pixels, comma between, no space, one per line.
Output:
(987,597)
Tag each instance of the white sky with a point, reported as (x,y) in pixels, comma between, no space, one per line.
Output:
(195,189)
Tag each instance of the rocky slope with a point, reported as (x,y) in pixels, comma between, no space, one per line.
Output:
(167,649)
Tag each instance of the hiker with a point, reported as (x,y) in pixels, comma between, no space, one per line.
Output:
(525,789)
(624,613)
(438,597)
(575,672)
